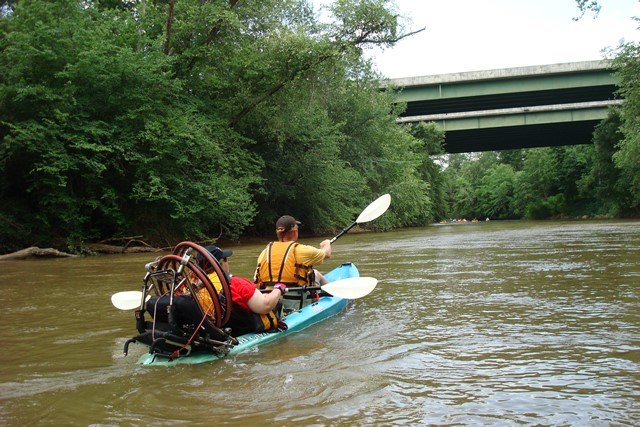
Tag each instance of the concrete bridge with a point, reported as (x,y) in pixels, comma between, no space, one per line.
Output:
(537,106)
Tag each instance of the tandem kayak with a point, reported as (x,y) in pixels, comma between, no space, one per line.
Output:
(325,307)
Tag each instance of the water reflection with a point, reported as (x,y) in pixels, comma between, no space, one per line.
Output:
(475,324)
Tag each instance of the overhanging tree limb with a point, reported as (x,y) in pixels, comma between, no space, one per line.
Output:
(361,39)
(216,29)
(213,33)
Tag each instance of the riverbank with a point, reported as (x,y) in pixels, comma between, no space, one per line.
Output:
(137,244)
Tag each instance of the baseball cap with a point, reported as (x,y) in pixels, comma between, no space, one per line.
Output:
(218,253)
(286,223)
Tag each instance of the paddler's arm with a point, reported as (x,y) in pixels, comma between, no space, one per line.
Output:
(325,245)
(263,303)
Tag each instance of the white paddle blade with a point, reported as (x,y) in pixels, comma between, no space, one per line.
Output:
(351,288)
(127,300)
(375,209)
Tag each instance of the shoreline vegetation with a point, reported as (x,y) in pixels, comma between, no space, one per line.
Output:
(114,122)
(137,245)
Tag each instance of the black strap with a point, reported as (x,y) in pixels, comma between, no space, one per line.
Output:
(284,261)
(300,296)
(269,260)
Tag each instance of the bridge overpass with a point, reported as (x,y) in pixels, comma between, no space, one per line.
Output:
(537,106)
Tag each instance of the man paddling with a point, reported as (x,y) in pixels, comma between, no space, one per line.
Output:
(291,263)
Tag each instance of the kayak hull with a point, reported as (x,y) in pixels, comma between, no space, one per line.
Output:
(322,309)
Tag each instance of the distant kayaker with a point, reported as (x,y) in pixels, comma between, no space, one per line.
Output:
(252,310)
(289,262)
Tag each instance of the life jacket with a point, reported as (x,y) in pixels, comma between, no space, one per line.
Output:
(203,295)
(280,266)
(243,321)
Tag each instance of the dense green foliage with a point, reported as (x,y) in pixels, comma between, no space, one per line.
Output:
(627,158)
(539,183)
(184,119)
(189,119)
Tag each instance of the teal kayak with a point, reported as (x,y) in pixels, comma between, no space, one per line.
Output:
(322,309)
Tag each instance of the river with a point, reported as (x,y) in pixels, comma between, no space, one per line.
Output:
(496,323)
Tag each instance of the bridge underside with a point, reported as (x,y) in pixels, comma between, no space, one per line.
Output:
(537,106)
(522,127)
(527,136)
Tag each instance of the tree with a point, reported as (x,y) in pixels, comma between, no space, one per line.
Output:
(496,192)
(586,5)
(99,138)
(574,162)
(627,63)
(463,175)
(602,182)
(535,193)
(190,119)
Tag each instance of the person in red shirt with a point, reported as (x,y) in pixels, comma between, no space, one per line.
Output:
(252,310)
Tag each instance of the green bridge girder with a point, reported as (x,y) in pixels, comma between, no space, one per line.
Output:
(525,107)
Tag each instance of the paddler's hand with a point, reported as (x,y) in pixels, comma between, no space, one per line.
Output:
(325,245)
(282,287)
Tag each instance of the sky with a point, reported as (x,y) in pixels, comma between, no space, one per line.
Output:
(475,35)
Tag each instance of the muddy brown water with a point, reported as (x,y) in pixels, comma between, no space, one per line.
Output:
(498,323)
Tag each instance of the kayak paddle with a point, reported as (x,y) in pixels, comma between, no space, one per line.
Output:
(371,212)
(127,300)
(349,288)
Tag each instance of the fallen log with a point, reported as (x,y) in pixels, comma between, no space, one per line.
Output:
(119,239)
(102,248)
(35,252)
